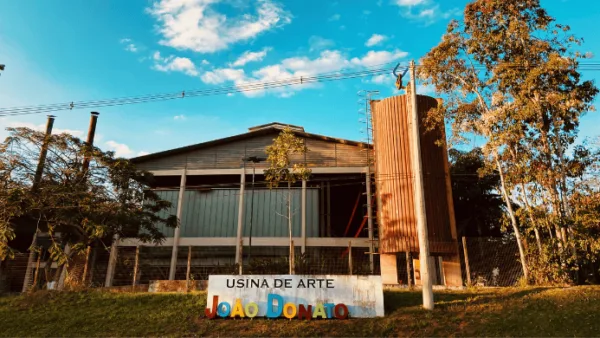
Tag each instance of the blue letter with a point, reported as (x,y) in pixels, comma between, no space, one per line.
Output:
(270,312)
(226,312)
(328,309)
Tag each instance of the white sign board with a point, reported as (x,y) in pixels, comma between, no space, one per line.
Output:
(295,296)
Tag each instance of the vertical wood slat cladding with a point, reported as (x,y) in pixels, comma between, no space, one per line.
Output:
(229,156)
(394,177)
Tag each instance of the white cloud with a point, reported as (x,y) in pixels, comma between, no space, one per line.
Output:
(335,17)
(205,62)
(195,25)
(174,64)
(249,56)
(425,11)
(383,79)
(318,43)
(220,75)
(373,58)
(375,39)
(120,149)
(130,46)
(142,153)
(42,127)
(407,3)
(328,61)
(428,13)
(179,117)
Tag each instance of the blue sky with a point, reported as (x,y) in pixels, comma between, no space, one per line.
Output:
(70,50)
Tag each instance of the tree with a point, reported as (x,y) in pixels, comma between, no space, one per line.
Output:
(510,75)
(477,205)
(76,209)
(281,170)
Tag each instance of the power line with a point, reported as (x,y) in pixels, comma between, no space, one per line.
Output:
(241,88)
(252,86)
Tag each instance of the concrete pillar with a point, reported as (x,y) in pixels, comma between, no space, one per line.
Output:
(177,234)
(303,216)
(389,270)
(112,262)
(240,225)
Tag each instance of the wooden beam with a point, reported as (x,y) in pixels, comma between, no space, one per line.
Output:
(204,172)
(341,242)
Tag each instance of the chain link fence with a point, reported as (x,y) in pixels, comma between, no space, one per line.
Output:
(484,262)
(490,261)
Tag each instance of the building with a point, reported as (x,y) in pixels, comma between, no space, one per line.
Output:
(229,216)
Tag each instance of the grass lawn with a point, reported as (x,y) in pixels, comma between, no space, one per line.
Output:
(492,312)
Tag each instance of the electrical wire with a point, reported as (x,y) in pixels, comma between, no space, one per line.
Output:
(252,86)
(241,88)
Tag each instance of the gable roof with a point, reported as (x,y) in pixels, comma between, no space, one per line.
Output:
(261,130)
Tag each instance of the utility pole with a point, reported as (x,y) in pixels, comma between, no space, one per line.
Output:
(89,143)
(43,153)
(36,182)
(419,195)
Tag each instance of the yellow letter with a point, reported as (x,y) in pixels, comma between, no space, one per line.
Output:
(238,310)
(319,311)
(286,312)
(254,312)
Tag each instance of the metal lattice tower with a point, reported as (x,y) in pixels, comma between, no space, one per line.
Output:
(364,110)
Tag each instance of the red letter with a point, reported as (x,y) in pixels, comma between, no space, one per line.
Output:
(213,314)
(340,311)
(304,313)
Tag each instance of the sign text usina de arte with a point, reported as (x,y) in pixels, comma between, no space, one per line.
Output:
(294,296)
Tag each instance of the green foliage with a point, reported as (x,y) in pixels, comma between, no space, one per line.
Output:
(509,73)
(279,154)
(110,198)
(477,205)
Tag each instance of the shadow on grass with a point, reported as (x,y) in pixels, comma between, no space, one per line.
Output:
(400,300)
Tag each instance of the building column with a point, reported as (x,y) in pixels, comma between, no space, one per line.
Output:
(112,262)
(328,209)
(177,234)
(240,225)
(303,217)
(370,220)
(389,270)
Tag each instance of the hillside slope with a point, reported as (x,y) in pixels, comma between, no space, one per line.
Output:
(496,312)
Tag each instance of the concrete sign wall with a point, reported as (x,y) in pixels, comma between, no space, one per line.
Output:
(321,296)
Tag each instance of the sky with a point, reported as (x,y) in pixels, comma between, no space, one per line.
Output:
(72,50)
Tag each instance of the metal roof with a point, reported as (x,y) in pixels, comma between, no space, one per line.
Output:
(254,132)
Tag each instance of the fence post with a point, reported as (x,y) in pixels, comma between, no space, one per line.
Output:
(350,257)
(241,260)
(292,259)
(408,269)
(37,268)
(467,268)
(189,269)
(136,267)
(85,267)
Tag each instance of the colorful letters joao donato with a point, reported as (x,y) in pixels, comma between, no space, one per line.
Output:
(294,296)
